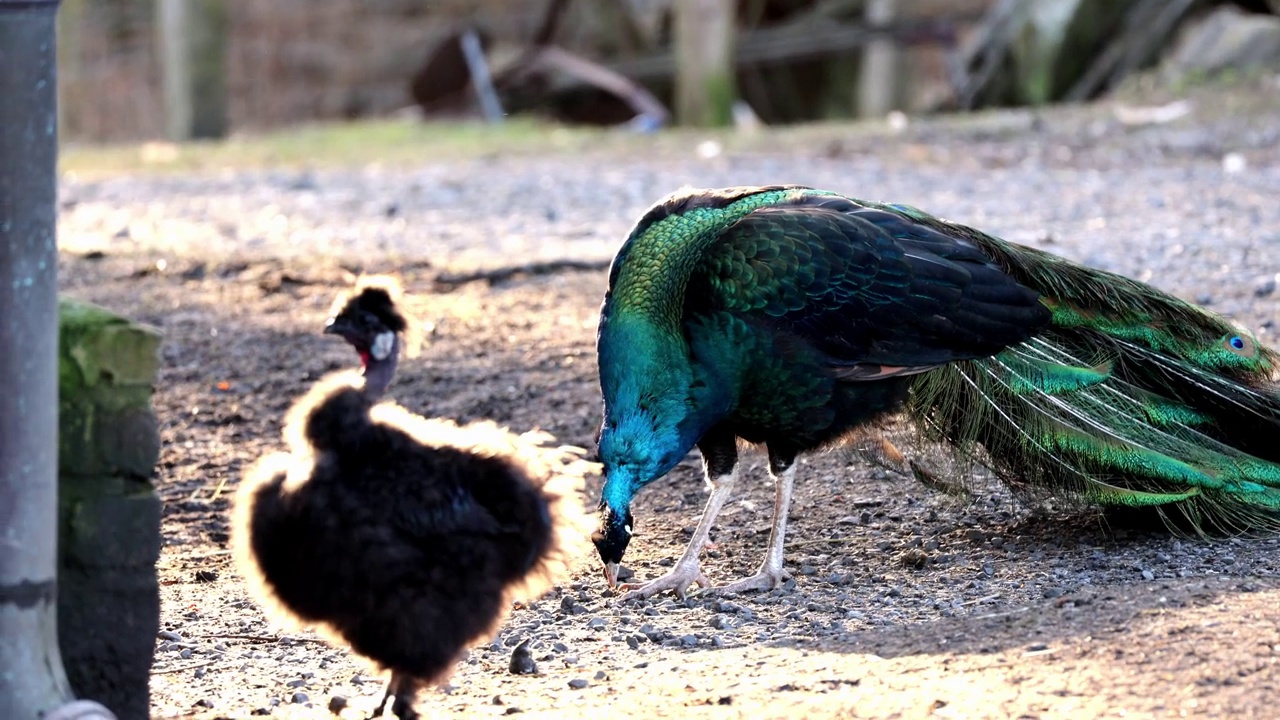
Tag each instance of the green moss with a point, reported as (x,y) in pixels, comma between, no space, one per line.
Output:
(95,344)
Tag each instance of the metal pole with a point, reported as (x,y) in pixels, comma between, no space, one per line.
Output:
(32,681)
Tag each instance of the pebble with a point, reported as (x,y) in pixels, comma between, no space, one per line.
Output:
(337,704)
(578,684)
(299,698)
(522,662)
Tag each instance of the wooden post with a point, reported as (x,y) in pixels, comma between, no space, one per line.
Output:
(879,84)
(192,38)
(704,46)
(32,681)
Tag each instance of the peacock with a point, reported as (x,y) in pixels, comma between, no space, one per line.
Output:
(402,536)
(799,318)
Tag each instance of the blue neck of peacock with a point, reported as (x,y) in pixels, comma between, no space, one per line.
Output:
(379,372)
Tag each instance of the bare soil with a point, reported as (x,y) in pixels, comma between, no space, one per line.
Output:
(906,603)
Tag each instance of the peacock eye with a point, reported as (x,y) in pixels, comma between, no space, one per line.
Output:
(1239,345)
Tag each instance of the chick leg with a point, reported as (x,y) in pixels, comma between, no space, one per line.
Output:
(720,463)
(771,574)
(406,691)
(403,689)
(386,695)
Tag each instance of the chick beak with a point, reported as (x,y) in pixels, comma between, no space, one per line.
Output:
(611,574)
(337,326)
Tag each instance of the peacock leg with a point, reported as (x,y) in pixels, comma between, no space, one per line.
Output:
(720,463)
(771,574)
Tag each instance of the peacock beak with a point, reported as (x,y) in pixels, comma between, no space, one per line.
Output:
(611,574)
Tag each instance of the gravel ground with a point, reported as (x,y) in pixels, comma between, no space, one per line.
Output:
(906,603)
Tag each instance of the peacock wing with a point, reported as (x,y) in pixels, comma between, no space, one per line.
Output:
(878,292)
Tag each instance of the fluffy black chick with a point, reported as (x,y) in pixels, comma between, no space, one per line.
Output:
(404,537)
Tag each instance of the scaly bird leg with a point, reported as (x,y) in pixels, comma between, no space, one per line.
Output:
(403,688)
(771,574)
(406,692)
(391,686)
(687,570)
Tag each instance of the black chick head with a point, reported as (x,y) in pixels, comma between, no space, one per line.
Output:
(369,321)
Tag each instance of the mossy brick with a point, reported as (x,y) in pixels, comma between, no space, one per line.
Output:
(94,439)
(97,346)
(113,531)
(107,624)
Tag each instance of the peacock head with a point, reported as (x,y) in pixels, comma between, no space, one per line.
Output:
(611,539)
(637,446)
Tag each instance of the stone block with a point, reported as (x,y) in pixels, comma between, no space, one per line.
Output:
(112,531)
(109,539)
(107,625)
(96,345)
(97,439)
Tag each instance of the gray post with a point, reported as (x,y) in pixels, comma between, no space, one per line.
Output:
(32,681)
(704,37)
(192,39)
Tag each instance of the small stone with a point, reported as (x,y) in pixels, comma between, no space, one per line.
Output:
(522,660)
(560,647)
(601,675)
(914,558)
(337,704)
(299,698)
(1266,286)
(689,641)
(597,623)
(204,703)
(720,622)
(578,684)
(632,642)
(169,635)
(1148,575)
(295,683)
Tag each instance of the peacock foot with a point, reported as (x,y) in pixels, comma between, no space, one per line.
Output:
(679,579)
(765,580)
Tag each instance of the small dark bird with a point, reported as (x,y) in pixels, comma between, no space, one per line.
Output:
(405,538)
(797,318)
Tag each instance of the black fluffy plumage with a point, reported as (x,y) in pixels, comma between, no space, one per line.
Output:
(403,537)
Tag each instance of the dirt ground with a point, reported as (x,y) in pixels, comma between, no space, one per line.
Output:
(906,603)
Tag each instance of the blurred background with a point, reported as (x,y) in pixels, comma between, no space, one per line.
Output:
(180,69)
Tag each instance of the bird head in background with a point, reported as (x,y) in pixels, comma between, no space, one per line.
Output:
(371,323)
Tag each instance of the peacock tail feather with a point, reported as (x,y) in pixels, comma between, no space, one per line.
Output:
(1131,397)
